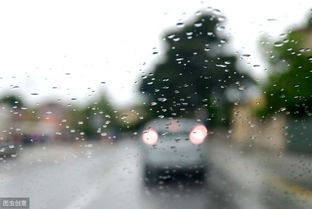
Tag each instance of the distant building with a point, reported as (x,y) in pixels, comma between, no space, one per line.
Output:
(248,130)
(51,117)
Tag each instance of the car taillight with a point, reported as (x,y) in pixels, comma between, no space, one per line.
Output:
(198,134)
(150,137)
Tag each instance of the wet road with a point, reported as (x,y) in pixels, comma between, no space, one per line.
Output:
(109,176)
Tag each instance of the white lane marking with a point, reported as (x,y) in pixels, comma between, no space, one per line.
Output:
(95,190)
(92,193)
(84,200)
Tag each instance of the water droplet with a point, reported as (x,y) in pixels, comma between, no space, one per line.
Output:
(199,24)
(278,44)
(162,99)
(180,24)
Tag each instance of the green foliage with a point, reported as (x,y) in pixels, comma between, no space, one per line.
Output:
(143,116)
(195,73)
(96,118)
(289,87)
(12,101)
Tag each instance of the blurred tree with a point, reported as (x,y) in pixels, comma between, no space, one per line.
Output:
(12,100)
(133,118)
(289,87)
(196,72)
(95,120)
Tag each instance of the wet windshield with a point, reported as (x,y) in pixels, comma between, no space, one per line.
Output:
(155,104)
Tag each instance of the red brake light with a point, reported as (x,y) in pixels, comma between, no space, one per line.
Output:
(198,134)
(150,137)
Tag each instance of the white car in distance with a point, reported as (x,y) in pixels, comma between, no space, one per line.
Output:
(174,149)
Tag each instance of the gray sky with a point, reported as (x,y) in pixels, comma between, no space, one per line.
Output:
(65,49)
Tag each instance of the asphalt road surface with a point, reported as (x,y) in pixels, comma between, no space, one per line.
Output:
(99,175)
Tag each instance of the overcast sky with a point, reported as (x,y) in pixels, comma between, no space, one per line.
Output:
(65,49)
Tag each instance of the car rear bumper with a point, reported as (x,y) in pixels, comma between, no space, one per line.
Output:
(175,161)
(176,168)
(194,174)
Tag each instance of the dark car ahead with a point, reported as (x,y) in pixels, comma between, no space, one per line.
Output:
(174,148)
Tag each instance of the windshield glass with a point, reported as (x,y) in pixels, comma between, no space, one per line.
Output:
(155,104)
